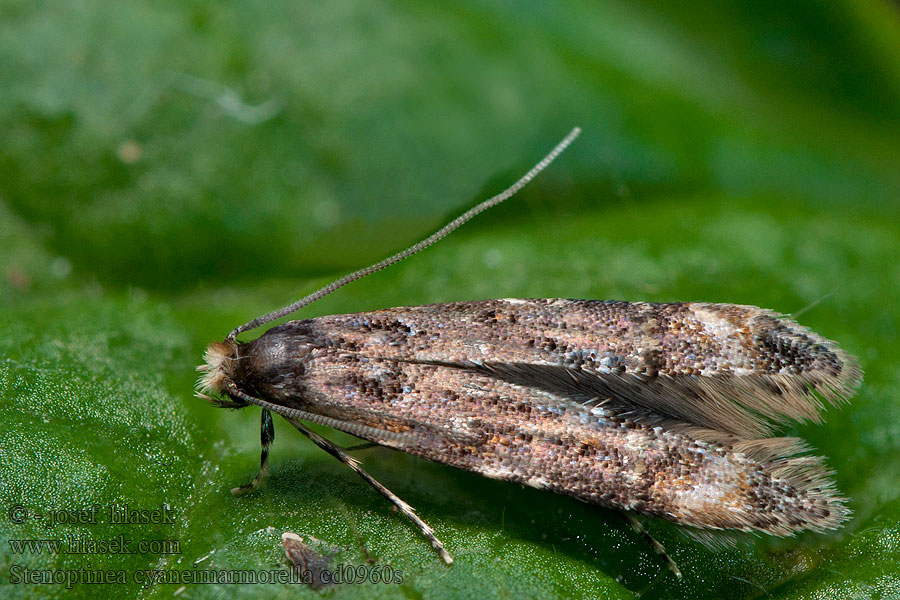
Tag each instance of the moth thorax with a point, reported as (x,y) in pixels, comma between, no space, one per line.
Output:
(219,357)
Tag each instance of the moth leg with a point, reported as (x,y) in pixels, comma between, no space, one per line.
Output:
(340,454)
(266,437)
(363,446)
(658,547)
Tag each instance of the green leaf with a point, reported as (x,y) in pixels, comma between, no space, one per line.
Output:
(171,170)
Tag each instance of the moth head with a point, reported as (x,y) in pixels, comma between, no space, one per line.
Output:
(220,359)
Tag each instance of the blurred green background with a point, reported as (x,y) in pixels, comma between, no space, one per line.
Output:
(169,170)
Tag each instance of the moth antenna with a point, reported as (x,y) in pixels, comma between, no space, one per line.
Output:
(417,247)
(389,438)
(293,416)
(812,304)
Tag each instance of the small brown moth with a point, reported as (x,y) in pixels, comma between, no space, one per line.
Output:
(667,410)
(308,564)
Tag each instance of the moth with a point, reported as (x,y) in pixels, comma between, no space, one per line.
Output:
(308,564)
(668,410)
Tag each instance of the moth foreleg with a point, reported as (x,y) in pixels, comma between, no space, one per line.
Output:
(266,437)
(340,454)
(363,446)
